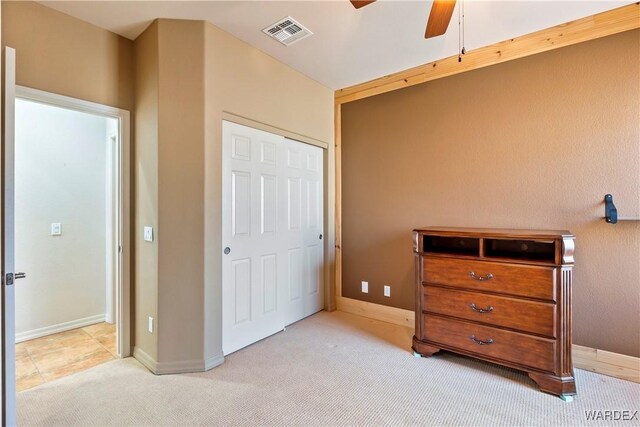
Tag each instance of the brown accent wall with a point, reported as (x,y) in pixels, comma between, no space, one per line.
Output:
(532,143)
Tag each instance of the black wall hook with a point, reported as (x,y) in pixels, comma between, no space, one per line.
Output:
(610,211)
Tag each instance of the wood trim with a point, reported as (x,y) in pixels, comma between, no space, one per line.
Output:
(338,201)
(272,129)
(614,21)
(384,313)
(586,358)
(607,363)
(330,231)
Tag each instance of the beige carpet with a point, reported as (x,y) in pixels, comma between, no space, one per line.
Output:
(329,369)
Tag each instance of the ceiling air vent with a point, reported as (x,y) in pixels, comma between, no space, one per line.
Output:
(287,31)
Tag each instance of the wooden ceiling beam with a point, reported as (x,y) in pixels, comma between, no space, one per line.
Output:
(614,21)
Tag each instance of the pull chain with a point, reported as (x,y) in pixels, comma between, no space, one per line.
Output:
(463,42)
(459,34)
(461,49)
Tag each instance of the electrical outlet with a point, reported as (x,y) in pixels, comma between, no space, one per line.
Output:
(148,234)
(387,290)
(56,229)
(150,324)
(365,287)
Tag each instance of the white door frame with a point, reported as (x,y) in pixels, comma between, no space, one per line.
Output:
(122,201)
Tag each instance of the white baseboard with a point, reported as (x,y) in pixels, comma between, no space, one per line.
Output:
(214,361)
(179,367)
(587,358)
(144,358)
(60,327)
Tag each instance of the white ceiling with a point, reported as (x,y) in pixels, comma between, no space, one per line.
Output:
(349,46)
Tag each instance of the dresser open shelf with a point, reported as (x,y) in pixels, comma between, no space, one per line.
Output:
(499,295)
(512,249)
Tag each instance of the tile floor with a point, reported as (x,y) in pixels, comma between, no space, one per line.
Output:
(58,355)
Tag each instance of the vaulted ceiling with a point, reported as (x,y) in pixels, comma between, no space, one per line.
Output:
(348,46)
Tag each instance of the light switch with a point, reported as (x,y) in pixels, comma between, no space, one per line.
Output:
(148,234)
(56,229)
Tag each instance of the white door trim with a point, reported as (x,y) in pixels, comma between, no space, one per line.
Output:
(122,232)
(111,203)
(240,120)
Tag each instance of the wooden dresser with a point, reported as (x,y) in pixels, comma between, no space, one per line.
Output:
(499,295)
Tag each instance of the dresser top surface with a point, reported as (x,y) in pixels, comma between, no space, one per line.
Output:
(495,232)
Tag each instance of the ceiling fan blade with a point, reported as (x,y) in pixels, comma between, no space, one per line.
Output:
(361,3)
(439,18)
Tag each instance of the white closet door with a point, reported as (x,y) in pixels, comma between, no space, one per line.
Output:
(304,233)
(250,270)
(272,222)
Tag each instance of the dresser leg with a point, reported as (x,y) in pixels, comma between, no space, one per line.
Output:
(422,349)
(565,387)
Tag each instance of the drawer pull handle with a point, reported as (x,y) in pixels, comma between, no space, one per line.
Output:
(489,309)
(480,342)
(473,275)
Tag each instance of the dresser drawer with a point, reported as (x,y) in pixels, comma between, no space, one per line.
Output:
(519,280)
(528,316)
(513,347)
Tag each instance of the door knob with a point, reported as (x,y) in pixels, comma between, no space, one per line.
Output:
(227,250)
(20,275)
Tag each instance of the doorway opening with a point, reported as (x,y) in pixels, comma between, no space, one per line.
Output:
(71,210)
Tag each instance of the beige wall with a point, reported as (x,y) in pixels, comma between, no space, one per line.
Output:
(61,54)
(181,190)
(145,178)
(532,143)
(244,81)
(188,74)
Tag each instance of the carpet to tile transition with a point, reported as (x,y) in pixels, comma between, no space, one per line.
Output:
(328,369)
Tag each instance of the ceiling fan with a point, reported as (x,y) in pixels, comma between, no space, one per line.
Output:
(439,17)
